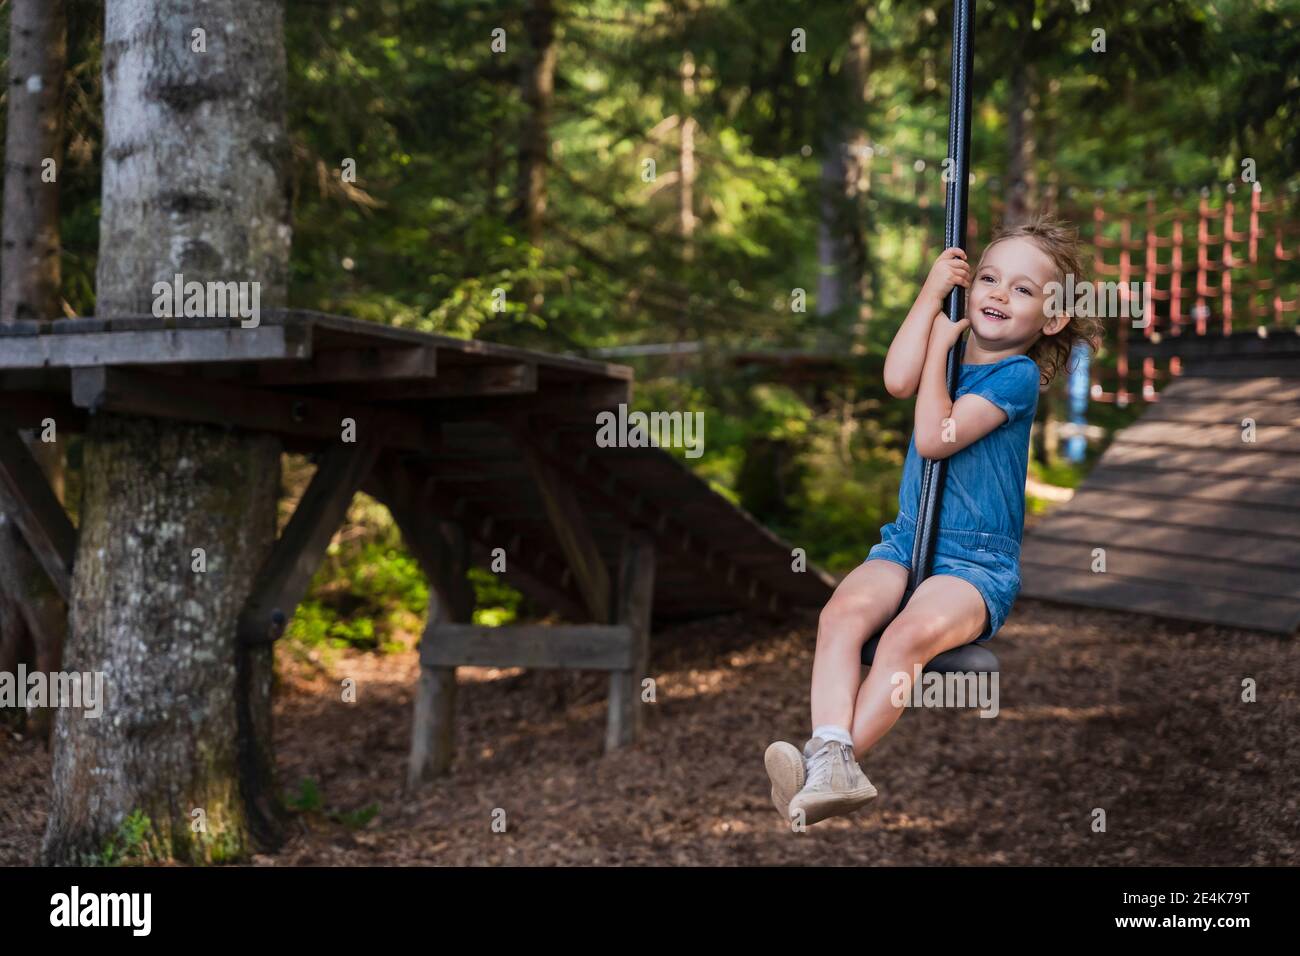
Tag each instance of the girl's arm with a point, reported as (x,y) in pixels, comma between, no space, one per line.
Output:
(907,352)
(945,427)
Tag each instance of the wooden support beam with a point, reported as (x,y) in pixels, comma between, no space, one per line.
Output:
(32,379)
(433,724)
(442,548)
(283,580)
(333,325)
(605,489)
(635,599)
(25,409)
(232,406)
(156,347)
(353,365)
(451,600)
(458,381)
(505,476)
(569,524)
(39,515)
(582,401)
(391,482)
(551,646)
(461,455)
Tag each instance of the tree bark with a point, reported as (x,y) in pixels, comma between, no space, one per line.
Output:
(29,274)
(164,637)
(842,231)
(538,88)
(195,182)
(686,220)
(33,616)
(1022,177)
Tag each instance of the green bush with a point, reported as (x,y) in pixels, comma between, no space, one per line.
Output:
(495,602)
(129,845)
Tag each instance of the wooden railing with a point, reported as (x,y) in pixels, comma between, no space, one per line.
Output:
(1215,261)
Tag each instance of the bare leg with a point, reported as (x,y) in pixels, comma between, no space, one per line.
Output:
(862,603)
(945,612)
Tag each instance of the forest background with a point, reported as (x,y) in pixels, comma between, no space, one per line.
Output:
(739,199)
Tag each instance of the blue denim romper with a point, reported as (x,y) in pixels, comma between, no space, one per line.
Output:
(982,517)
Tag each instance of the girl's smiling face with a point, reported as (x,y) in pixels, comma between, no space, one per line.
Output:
(1008,296)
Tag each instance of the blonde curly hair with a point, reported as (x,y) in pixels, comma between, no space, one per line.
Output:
(1061,243)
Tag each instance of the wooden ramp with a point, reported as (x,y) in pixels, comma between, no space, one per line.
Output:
(1196,521)
(712,557)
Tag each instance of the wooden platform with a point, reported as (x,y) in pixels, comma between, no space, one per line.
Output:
(1196,523)
(481,452)
(471,421)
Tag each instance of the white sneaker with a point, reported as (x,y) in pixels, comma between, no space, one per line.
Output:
(786,771)
(835,784)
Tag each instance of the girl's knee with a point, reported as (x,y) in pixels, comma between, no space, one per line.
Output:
(912,634)
(840,616)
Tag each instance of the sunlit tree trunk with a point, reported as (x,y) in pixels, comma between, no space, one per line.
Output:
(686,220)
(194,182)
(842,229)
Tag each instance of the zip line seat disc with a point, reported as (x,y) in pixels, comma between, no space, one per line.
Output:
(976,658)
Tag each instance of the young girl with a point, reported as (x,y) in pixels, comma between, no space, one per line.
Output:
(1019,339)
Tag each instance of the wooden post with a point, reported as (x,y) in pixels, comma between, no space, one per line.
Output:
(572,531)
(442,548)
(433,726)
(451,600)
(635,595)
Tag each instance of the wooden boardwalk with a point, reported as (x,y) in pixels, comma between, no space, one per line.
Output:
(1196,520)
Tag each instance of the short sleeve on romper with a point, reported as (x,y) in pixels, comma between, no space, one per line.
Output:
(1012,386)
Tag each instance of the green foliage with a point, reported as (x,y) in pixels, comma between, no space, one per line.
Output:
(308,798)
(495,602)
(224,847)
(1062,474)
(131,844)
(429,233)
(356,819)
(854,460)
(315,625)
(369,593)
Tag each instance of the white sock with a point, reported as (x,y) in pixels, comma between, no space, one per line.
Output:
(829,732)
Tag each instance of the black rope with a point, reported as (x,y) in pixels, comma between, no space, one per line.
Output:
(954,234)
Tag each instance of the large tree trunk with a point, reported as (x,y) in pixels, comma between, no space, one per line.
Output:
(195,182)
(842,230)
(33,616)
